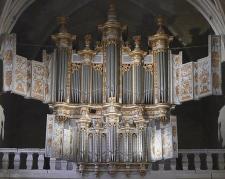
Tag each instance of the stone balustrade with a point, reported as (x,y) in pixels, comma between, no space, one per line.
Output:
(32,163)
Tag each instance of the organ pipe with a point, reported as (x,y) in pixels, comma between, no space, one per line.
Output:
(112,36)
(114,100)
(137,71)
(63,41)
(86,71)
(160,44)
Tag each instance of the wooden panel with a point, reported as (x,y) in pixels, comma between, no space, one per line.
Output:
(173,122)
(186,89)
(9,55)
(215,55)
(167,142)
(67,144)
(19,80)
(176,65)
(57,142)
(156,144)
(38,81)
(204,77)
(49,134)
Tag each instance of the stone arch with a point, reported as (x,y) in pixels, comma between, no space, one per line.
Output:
(211,10)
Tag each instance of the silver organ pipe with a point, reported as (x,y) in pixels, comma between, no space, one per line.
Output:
(162,78)
(148,84)
(63,41)
(76,83)
(54,79)
(97,84)
(127,84)
(112,36)
(83,123)
(86,85)
(160,44)
(86,70)
(137,71)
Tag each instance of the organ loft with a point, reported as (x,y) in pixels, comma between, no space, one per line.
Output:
(111,101)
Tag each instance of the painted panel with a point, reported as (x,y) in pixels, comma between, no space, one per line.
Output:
(173,122)
(186,89)
(49,135)
(156,145)
(167,142)
(176,65)
(9,55)
(38,81)
(57,142)
(48,62)
(67,144)
(215,55)
(204,77)
(19,80)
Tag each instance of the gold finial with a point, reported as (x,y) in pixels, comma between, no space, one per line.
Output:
(112,10)
(160,22)
(137,41)
(63,38)
(87,41)
(62,22)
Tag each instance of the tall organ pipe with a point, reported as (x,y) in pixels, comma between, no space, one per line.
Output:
(86,70)
(112,36)
(160,44)
(137,73)
(63,41)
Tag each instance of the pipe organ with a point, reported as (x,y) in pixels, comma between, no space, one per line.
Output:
(111,104)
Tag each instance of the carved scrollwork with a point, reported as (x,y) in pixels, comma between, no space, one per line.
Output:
(98,67)
(125,67)
(149,67)
(75,67)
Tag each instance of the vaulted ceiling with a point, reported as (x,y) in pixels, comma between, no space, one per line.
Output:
(37,22)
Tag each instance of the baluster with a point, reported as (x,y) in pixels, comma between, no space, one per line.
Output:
(41,161)
(209,161)
(221,161)
(5,160)
(161,165)
(63,165)
(17,161)
(173,162)
(184,161)
(58,164)
(70,166)
(29,161)
(197,161)
(52,163)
